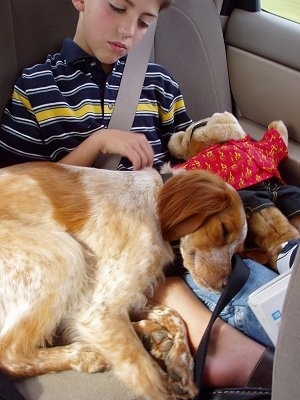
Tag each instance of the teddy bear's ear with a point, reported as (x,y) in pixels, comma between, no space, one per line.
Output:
(178,145)
(281,128)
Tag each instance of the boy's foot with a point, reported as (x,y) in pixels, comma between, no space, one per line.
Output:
(286,257)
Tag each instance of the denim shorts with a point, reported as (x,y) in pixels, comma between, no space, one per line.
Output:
(271,193)
(237,313)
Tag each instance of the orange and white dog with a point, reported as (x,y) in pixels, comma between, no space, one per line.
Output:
(81,248)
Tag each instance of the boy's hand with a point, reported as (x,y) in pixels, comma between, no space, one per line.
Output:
(134,146)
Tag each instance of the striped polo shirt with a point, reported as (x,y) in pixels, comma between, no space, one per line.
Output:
(58,104)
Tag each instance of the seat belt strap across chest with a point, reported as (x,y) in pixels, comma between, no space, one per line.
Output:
(129,93)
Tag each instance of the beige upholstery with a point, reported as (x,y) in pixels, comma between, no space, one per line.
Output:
(264,73)
(71,385)
(29,31)
(195,55)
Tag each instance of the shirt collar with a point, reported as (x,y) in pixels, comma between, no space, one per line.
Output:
(72,53)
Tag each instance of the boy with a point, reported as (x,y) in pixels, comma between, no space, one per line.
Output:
(60,110)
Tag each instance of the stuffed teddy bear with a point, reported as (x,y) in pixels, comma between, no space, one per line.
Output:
(220,144)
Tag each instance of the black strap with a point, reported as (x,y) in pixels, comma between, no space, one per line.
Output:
(166,176)
(238,277)
(8,390)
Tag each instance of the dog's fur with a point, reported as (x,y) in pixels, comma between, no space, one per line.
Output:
(81,248)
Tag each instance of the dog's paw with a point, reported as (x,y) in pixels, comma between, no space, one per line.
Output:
(88,360)
(173,357)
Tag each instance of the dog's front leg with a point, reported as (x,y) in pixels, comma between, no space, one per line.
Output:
(163,333)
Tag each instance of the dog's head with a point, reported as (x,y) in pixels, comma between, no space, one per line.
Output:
(208,216)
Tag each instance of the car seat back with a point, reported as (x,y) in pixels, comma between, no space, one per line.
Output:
(29,31)
(188,42)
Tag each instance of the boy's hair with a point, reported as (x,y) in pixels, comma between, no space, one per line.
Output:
(165,3)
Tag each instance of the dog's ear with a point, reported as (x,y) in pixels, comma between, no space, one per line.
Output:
(187,199)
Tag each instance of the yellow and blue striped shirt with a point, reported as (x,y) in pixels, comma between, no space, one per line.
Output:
(58,104)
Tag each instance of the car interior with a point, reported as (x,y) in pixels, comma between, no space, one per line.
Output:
(226,56)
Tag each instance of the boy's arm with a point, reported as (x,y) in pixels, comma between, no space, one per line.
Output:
(20,134)
(21,140)
(134,146)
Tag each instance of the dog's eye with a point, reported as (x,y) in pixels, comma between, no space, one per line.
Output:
(225,232)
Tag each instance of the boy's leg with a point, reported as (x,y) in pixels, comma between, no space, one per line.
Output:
(237,313)
(224,365)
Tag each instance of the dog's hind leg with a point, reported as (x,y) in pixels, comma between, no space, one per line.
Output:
(40,284)
(114,337)
(77,356)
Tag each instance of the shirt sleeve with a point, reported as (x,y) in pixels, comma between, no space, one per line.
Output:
(173,113)
(20,135)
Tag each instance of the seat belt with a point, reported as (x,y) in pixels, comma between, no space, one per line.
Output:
(129,93)
(239,276)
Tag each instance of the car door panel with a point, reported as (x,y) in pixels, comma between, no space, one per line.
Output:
(264,71)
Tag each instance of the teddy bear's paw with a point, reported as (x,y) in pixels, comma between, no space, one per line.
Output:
(281,128)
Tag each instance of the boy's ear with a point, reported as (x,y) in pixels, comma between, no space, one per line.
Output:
(79,4)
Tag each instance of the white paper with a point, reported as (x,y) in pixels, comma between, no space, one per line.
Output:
(267,302)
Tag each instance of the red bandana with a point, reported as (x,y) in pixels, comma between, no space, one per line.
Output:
(242,163)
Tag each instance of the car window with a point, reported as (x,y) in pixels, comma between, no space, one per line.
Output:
(289,9)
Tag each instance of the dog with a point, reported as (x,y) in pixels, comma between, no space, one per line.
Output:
(83,248)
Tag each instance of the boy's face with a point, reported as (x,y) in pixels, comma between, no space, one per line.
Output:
(108,29)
